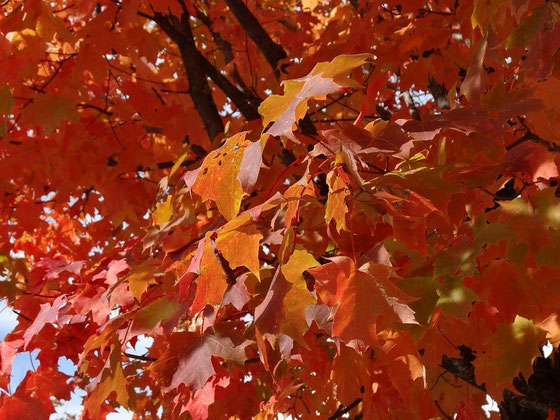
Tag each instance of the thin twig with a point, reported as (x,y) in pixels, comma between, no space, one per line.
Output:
(343,410)
(140,357)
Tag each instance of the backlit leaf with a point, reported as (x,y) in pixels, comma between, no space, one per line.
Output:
(326,78)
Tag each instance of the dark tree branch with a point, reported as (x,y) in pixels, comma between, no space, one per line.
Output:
(179,30)
(140,357)
(55,73)
(226,49)
(150,129)
(170,163)
(447,416)
(184,92)
(342,410)
(462,368)
(536,395)
(247,104)
(198,67)
(410,103)
(530,136)
(439,93)
(21,315)
(95,107)
(273,52)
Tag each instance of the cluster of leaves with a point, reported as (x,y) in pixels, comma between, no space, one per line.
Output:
(378,238)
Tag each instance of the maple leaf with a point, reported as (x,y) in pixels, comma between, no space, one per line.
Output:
(528,28)
(250,166)
(336,204)
(195,367)
(47,314)
(330,278)
(269,314)
(111,379)
(466,410)
(198,405)
(239,241)
(365,295)
(56,108)
(139,279)
(299,261)
(217,179)
(8,351)
(163,212)
(325,78)
(236,244)
(514,347)
(151,317)
(348,386)
(212,282)
(298,298)
(47,270)
(19,405)
(455,298)
(296,301)
(473,85)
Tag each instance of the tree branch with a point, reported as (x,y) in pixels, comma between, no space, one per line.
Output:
(179,30)
(95,107)
(170,163)
(226,49)
(246,103)
(438,92)
(140,357)
(22,315)
(273,52)
(198,67)
(530,136)
(462,369)
(343,410)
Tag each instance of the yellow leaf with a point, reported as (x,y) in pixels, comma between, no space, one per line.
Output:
(178,163)
(479,14)
(48,24)
(217,179)
(163,212)
(147,318)
(336,202)
(455,298)
(339,68)
(299,261)
(324,79)
(296,302)
(309,4)
(517,345)
(141,276)
(273,106)
(239,243)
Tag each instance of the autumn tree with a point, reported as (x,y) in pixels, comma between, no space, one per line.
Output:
(321,209)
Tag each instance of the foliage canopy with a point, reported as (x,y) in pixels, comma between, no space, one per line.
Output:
(311,208)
